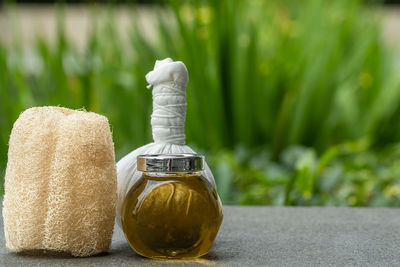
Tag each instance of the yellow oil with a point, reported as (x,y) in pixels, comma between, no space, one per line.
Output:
(174,216)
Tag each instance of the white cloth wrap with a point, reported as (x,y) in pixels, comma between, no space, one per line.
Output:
(169,81)
(169,108)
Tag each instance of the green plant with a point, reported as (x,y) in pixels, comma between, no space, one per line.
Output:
(264,76)
(345,175)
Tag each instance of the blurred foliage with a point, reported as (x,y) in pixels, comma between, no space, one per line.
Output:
(345,175)
(294,102)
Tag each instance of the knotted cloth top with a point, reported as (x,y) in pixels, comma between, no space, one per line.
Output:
(169,80)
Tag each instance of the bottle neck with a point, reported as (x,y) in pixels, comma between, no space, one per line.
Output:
(166,175)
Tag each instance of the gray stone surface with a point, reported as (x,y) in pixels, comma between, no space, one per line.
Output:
(268,236)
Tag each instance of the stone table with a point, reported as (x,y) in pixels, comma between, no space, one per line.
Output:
(268,236)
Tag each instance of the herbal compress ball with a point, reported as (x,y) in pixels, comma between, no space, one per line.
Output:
(169,79)
(60,183)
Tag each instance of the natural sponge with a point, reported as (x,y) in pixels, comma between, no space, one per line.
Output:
(60,183)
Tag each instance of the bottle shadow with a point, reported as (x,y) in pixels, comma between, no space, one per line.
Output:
(217,255)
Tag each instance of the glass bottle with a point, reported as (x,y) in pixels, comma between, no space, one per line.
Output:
(172,211)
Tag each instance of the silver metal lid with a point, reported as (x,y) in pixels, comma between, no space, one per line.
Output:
(170,163)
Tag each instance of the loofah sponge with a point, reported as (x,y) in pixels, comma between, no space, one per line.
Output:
(60,183)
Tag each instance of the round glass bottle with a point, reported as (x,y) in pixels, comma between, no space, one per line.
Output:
(172,211)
